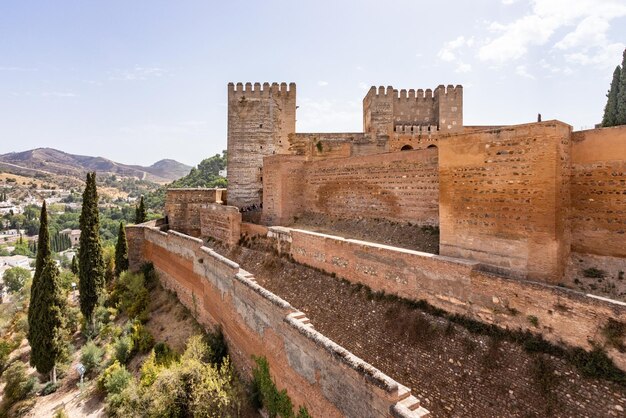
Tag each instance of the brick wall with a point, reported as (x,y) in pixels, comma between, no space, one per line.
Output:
(396,186)
(504,199)
(598,187)
(220,222)
(317,373)
(458,286)
(182,208)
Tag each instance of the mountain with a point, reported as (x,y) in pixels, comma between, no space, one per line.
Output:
(52,161)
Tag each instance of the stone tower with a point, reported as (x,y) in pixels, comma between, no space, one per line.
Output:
(260,120)
(384,109)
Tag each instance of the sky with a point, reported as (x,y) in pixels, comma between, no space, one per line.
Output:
(142,80)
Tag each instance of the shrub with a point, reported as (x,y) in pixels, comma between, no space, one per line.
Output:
(217,345)
(143,341)
(124,349)
(60,413)
(49,388)
(164,355)
(614,331)
(73,318)
(6,348)
(114,379)
(534,321)
(267,394)
(149,370)
(15,278)
(91,356)
(18,385)
(594,273)
(132,294)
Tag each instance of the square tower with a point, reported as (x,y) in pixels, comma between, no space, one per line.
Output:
(260,120)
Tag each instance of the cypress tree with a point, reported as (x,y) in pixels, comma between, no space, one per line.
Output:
(121,251)
(47,304)
(74,266)
(620,117)
(90,262)
(610,110)
(140,212)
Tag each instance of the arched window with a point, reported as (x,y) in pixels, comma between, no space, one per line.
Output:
(432,146)
(406,148)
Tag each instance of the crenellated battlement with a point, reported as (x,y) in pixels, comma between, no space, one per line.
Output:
(415,129)
(413,94)
(261,90)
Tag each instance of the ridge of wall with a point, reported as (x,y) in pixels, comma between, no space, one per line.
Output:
(457,286)
(317,373)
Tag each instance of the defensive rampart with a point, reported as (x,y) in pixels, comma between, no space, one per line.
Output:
(317,373)
(182,208)
(458,286)
(396,186)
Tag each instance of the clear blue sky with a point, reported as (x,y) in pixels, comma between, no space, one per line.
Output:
(137,81)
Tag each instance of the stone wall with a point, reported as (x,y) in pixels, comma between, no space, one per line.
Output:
(396,186)
(260,120)
(182,208)
(458,286)
(504,199)
(316,372)
(220,222)
(598,187)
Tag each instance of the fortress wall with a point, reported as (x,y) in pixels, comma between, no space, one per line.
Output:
(220,222)
(182,207)
(316,372)
(253,229)
(504,199)
(401,186)
(598,188)
(457,286)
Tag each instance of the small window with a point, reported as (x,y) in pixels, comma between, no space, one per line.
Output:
(406,148)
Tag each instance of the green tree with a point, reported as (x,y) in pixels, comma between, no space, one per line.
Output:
(45,312)
(74,266)
(610,110)
(620,118)
(121,252)
(90,262)
(140,212)
(14,278)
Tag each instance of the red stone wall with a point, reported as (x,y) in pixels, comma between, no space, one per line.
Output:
(599,191)
(220,222)
(458,286)
(504,199)
(401,186)
(317,373)
(182,208)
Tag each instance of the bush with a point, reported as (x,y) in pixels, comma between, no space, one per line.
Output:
(114,379)
(91,356)
(217,345)
(132,294)
(73,318)
(594,273)
(6,348)
(164,355)
(18,385)
(142,339)
(60,413)
(266,393)
(49,388)
(124,349)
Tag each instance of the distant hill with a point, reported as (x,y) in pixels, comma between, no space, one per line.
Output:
(52,161)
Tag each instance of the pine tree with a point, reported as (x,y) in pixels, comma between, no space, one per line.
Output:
(140,212)
(74,266)
(121,251)
(610,110)
(620,117)
(90,261)
(46,335)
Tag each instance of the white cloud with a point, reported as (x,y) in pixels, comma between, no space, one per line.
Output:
(523,72)
(591,17)
(363,85)
(463,67)
(605,57)
(449,50)
(137,74)
(509,2)
(322,83)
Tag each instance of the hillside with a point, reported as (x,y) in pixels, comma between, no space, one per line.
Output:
(52,161)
